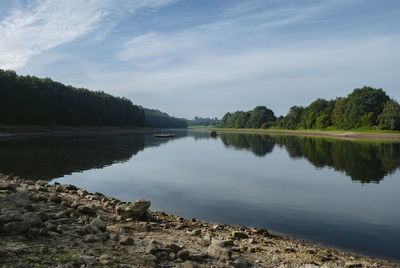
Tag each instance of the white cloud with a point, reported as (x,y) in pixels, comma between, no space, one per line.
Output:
(37,26)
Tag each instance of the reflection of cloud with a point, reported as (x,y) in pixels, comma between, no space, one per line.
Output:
(41,25)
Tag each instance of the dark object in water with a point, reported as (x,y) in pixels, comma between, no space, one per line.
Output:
(213,134)
(164,135)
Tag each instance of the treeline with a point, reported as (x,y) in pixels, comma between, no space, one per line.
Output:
(28,100)
(157,119)
(199,121)
(365,107)
(259,117)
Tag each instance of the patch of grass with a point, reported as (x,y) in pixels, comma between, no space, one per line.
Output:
(67,258)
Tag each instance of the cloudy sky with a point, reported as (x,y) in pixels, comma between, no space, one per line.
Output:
(207,57)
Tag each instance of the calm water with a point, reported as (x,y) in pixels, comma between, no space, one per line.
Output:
(335,192)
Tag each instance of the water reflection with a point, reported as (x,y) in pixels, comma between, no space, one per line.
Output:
(52,157)
(363,161)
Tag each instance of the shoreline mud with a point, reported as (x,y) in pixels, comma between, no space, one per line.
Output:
(328,134)
(61,225)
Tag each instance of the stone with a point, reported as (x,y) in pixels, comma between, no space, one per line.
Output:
(239,235)
(189,264)
(88,260)
(126,241)
(223,243)
(215,249)
(352,265)
(8,186)
(32,218)
(99,223)
(91,238)
(183,254)
(241,263)
(14,228)
(86,210)
(55,199)
(133,209)
(9,217)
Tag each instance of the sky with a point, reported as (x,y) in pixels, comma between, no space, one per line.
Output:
(206,57)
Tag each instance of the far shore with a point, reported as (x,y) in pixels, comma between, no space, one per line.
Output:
(332,134)
(16,131)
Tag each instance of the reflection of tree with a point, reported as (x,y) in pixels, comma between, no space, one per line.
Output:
(362,161)
(260,145)
(52,157)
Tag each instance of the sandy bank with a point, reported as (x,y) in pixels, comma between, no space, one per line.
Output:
(44,225)
(331,134)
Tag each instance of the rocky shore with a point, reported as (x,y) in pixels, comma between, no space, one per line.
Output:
(60,225)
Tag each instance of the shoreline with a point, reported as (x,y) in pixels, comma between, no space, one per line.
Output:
(65,226)
(17,131)
(329,134)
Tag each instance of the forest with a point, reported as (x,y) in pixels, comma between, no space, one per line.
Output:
(200,121)
(365,107)
(28,100)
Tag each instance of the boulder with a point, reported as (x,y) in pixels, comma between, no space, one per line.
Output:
(99,224)
(133,209)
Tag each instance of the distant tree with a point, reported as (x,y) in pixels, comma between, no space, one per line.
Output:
(363,107)
(312,112)
(260,115)
(293,118)
(390,116)
(199,121)
(337,116)
(157,119)
(28,100)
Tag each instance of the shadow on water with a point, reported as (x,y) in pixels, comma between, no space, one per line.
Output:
(55,156)
(362,161)
(52,157)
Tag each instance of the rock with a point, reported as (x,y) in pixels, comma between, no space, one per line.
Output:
(189,264)
(99,223)
(219,252)
(222,243)
(239,235)
(8,186)
(9,217)
(183,254)
(174,247)
(81,192)
(55,199)
(311,266)
(86,210)
(91,238)
(32,218)
(241,263)
(127,241)
(133,209)
(352,265)
(14,228)
(88,260)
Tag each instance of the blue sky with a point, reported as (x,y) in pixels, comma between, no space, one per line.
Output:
(207,57)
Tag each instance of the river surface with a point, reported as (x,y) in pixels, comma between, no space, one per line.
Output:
(340,193)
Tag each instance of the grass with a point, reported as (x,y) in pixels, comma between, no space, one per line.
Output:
(330,129)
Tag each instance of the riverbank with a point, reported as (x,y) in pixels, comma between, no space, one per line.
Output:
(64,226)
(331,134)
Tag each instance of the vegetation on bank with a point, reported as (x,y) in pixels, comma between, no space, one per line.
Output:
(28,100)
(156,119)
(364,110)
(203,122)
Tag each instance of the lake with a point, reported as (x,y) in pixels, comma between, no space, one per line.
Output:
(335,192)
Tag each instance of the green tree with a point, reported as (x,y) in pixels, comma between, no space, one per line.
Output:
(293,118)
(260,115)
(363,107)
(390,116)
